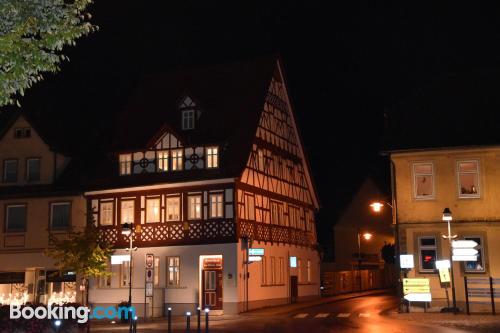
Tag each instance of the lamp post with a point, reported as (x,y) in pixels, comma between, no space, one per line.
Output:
(127,230)
(448,217)
(366,236)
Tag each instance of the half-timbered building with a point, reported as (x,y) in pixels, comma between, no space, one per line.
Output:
(206,163)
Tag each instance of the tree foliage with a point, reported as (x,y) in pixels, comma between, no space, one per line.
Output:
(81,252)
(388,253)
(32,36)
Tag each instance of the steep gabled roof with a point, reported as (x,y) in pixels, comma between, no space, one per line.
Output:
(230,97)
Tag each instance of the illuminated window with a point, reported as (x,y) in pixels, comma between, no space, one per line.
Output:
(173,208)
(216,205)
(427,247)
(479,265)
(423,180)
(33,169)
(212,157)
(127,211)
(194,207)
(177,159)
(153,210)
(125,164)
(162,160)
(468,179)
(106,213)
(157,271)
(173,271)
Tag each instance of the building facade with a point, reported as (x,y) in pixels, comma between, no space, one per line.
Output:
(205,164)
(465,180)
(36,204)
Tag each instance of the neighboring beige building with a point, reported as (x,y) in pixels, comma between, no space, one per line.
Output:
(34,203)
(464,179)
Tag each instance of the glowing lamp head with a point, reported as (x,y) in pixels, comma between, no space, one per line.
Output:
(376,206)
(188,313)
(57,323)
(207,310)
(126,229)
(367,236)
(447,215)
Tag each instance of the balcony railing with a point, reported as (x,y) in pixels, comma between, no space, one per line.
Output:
(275,233)
(173,233)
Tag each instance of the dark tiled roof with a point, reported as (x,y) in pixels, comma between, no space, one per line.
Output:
(455,110)
(231,98)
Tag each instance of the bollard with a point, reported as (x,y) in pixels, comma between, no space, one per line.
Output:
(207,310)
(169,316)
(188,322)
(134,325)
(198,312)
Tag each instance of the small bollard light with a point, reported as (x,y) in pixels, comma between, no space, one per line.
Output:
(57,324)
(188,322)
(207,310)
(134,325)
(169,316)
(198,313)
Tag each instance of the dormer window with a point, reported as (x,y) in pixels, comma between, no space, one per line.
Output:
(24,132)
(125,164)
(188,109)
(212,157)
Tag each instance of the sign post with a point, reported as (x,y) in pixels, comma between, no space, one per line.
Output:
(149,279)
(416,290)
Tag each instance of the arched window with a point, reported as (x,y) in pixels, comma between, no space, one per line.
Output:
(188,109)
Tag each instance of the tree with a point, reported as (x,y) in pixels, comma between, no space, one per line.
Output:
(83,253)
(388,253)
(32,36)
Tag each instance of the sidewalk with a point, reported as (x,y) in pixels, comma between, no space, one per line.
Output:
(483,323)
(157,323)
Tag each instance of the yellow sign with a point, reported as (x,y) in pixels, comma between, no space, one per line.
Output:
(444,275)
(416,286)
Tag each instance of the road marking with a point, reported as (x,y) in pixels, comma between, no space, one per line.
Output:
(322,315)
(364,315)
(301,315)
(343,315)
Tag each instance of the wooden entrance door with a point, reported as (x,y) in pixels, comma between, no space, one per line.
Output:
(212,289)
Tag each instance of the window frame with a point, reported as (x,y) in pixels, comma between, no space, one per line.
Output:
(165,160)
(127,272)
(101,203)
(309,273)
(211,210)
(127,163)
(263,267)
(6,222)
(128,200)
(109,269)
(4,178)
(28,169)
(173,285)
(179,212)
(421,247)
(247,207)
(187,115)
(480,247)
(146,210)
(478,173)
(51,211)
(177,160)
(212,159)
(189,196)
(415,174)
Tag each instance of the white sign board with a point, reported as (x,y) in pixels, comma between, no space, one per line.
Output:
(443,264)
(406,261)
(117,259)
(150,259)
(149,289)
(464,258)
(255,252)
(254,258)
(465,252)
(456,244)
(419,297)
(293,262)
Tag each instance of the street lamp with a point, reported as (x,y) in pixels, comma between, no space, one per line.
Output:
(127,230)
(447,216)
(366,236)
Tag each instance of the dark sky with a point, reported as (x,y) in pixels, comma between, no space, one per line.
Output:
(347,64)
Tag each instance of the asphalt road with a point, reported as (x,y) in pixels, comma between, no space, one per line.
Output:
(360,315)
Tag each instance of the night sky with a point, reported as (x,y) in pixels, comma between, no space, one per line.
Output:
(348,64)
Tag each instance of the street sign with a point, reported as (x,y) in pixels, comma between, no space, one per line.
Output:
(456,244)
(117,259)
(465,252)
(254,258)
(443,264)
(416,286)
(419,297)
(293,262)
(255,252)
(444,275)
(464,258)
(149,267)
(149,289)
(406,261)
